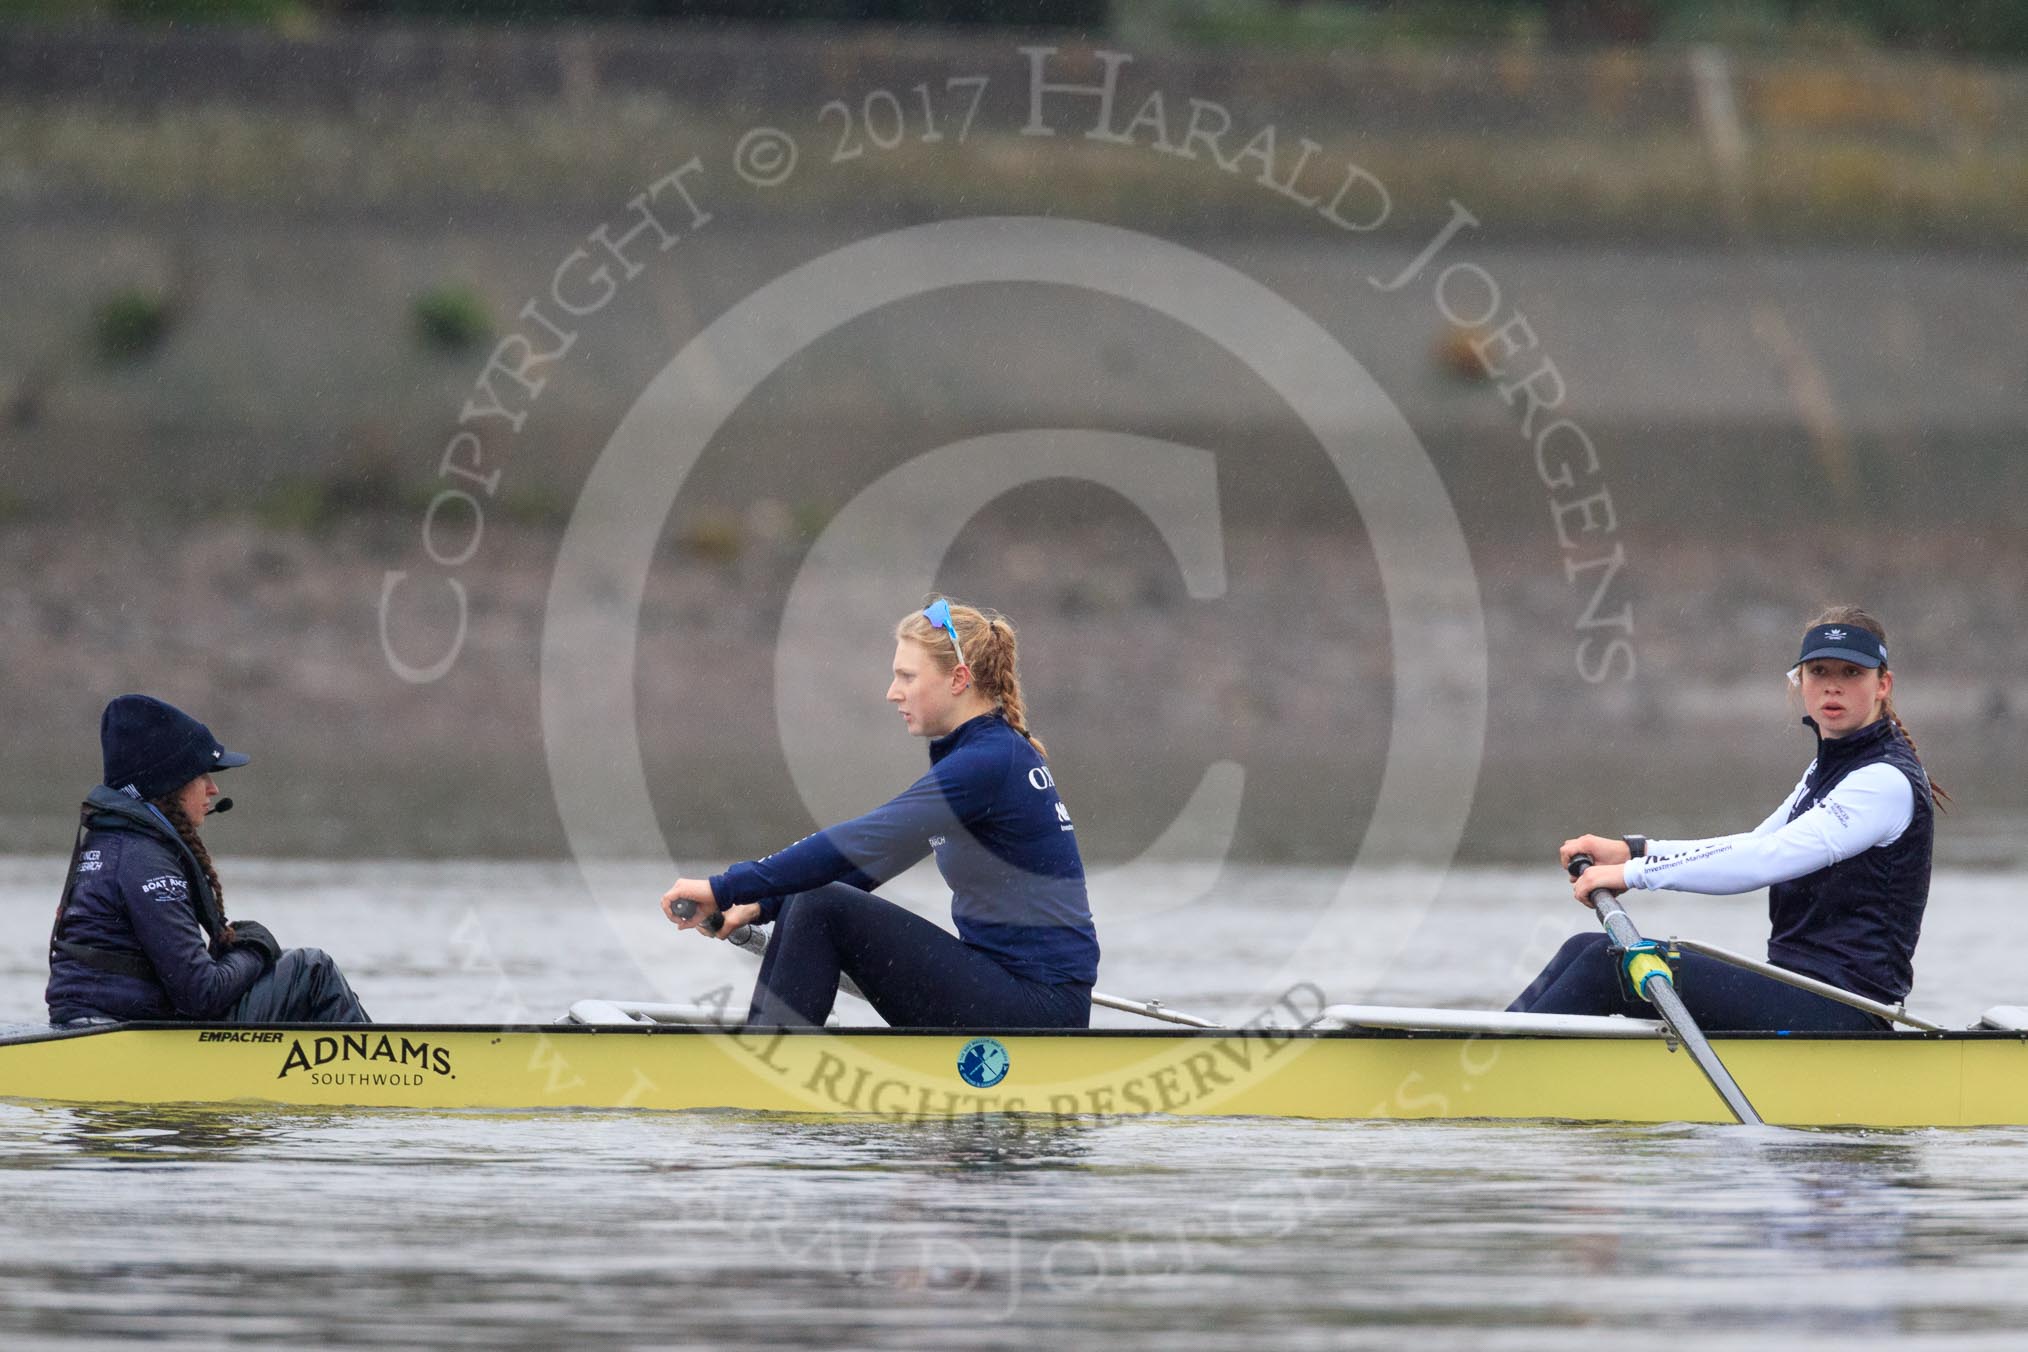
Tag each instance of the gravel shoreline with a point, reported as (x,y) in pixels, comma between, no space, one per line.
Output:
(275,638)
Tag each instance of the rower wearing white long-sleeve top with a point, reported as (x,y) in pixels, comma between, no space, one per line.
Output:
(1845,859)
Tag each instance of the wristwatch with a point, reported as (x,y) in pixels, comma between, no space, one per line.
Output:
(1637,846)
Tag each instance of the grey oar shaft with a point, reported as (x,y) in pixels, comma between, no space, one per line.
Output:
(756,943)
(1661,993)
(752,940)
(1619,926)
(1151,1009)
(1807,983)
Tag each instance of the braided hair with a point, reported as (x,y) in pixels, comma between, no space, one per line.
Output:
(187,829)
(988,640)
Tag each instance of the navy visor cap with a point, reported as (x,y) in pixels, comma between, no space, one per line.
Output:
(1845,643)
(151,747)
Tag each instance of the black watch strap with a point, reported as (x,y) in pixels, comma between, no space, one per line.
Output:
(1637,846)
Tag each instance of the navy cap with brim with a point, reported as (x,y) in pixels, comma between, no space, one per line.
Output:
(151,747)
(1844,643)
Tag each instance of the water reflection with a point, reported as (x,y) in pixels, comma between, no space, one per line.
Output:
(1848,1198)
(156,1136)
(502,1230)
(988,1146)
(471,1228)
(1813,1196)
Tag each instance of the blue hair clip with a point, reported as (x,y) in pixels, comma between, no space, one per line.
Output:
(938,613)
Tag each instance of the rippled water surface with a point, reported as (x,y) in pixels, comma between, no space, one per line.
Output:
(201,1228)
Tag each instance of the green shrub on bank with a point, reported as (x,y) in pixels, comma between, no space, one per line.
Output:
(129,325)
(713,537)
(1966,26)
(1985,27)
(452,318)
(312,504)
(1990,27)
(159,11)
(1328,23)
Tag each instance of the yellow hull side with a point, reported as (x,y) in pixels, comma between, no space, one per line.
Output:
(1886,1081)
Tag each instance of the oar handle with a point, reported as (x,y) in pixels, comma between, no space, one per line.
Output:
(687,908)
(745,937)
(1599,897)
(716,921)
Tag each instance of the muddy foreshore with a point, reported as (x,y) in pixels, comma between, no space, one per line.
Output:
(276,637)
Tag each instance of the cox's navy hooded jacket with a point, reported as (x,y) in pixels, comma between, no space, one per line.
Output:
(1003,840)
(131,940)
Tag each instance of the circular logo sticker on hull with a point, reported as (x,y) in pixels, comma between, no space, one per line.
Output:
(983,1063)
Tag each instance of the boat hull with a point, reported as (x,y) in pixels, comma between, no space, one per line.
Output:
(1865,1079)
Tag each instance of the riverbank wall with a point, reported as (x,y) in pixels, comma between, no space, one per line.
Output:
(257,284)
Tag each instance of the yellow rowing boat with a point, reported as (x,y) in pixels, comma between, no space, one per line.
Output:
(1505,1070)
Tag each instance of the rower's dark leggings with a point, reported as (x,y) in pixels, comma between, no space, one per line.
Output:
(915,973)
(1583,978)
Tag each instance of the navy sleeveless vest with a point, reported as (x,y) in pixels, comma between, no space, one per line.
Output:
(1855,924)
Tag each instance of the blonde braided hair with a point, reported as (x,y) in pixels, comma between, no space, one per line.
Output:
(990,651)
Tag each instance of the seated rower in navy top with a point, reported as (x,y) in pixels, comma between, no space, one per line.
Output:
(140,929)
(1025,954)
(1845,859)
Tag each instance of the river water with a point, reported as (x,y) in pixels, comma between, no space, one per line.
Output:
(200,1228)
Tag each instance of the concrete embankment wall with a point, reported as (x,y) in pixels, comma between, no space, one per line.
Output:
(287,200)
(1836,415)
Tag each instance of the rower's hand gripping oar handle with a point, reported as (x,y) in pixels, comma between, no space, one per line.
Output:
(687,908)
(741,937)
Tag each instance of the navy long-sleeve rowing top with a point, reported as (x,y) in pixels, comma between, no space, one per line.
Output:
(1004,843)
